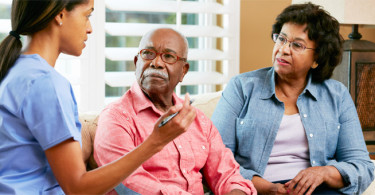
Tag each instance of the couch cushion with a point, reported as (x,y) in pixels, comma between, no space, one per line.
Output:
(89,124)
(206,102)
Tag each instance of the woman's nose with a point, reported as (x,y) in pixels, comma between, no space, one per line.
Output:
(285,48)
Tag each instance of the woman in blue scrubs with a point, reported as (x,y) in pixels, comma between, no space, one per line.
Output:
(39,128)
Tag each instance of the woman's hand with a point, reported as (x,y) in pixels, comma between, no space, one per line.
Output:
(278,189)
(265,187)
(307,180)
(236,192)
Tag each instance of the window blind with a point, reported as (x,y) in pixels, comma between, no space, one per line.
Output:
(5,25)
(105,70)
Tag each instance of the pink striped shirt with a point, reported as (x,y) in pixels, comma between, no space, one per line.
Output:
(178,168)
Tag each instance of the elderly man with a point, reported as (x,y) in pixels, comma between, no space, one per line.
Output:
(160,65)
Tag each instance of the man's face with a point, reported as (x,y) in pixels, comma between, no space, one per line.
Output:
(156,76)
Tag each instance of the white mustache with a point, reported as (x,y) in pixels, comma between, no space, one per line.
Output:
(150,71)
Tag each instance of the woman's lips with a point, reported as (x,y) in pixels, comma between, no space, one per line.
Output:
(282,61)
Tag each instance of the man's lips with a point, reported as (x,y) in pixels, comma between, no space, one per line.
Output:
(282,61)
(156,76)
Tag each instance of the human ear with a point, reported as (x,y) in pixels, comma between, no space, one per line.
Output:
(60,17)
(185,69)
(135,60)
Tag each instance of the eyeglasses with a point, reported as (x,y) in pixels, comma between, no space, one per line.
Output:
(295,46)
(169,58)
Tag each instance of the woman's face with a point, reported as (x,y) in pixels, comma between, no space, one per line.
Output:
(75,28)
(288,63)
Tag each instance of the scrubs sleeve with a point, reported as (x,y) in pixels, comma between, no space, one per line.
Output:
(50,112)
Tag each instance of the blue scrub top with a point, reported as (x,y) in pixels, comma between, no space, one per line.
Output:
(37,111)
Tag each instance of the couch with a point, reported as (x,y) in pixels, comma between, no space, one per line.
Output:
(205,102)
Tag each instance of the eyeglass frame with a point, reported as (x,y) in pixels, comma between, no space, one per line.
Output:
(275,37)
(161,53)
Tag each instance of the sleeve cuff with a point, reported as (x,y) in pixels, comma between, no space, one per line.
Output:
(350,182)
(248,174)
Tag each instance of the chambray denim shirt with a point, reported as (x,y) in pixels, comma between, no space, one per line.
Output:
(249,114)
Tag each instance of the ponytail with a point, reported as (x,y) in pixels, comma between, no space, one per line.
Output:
(10,50)
(29,17)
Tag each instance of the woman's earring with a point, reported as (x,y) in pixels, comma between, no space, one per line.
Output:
(314,65)
(60,23)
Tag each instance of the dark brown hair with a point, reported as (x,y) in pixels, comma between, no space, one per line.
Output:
(323,29)
(29,17)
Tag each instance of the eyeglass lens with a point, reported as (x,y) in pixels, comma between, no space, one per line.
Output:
(166,57)
(281,40)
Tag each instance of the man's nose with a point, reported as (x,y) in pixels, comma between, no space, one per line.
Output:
(157,62)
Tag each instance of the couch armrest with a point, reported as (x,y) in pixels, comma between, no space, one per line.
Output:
(89,124)
(207,102)
(371,189)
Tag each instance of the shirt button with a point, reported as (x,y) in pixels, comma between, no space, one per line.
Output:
(311,135)
(313,162)
(123,112)
(179,146)
(203,147)
(241,122)
(127,119)
(183,170)
(338,127)
(304,115)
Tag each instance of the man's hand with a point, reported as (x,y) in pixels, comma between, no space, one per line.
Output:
(175,127)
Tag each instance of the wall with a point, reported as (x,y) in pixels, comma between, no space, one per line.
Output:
(257,17)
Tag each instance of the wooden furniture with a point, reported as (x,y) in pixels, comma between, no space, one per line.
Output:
(357,72)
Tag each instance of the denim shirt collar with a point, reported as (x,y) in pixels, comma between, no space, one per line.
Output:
(268,88)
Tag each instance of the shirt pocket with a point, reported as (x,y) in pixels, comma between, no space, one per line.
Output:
(200,151)
(332,136)
(251,134)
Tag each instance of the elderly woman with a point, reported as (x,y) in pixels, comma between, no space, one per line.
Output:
(290,127)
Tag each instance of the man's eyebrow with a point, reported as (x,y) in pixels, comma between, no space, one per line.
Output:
(165,50)
(150,47)
(170,51)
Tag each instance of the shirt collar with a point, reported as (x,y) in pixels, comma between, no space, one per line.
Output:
(142,102)
(311,87)
(268,88)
